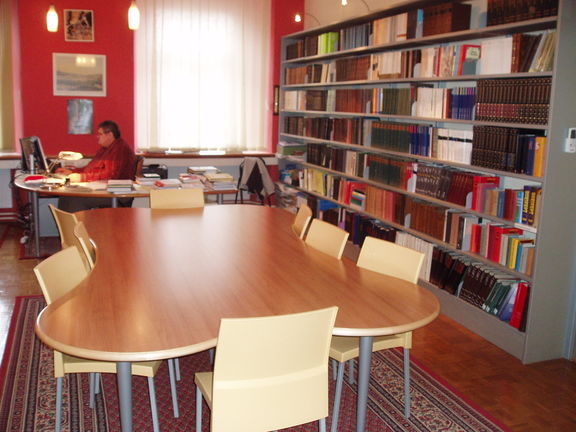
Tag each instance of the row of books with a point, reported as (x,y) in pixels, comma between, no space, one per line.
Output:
(520,52)
(507,11)
(478,192)
(509,149)
(481,286)
(508,246)
(428,21)
(522,100)
(504,149)
(431,219)
(446,103)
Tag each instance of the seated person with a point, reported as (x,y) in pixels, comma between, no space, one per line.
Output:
(114,160)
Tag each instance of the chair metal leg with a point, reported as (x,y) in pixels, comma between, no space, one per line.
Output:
(177,366)
(322,424)
(351,371)
(153,407)
(97,382)
(92,380)
(406,382)
(172,374)
(198,410)
(211,353)
(337,397)
(58,425)
(334,369)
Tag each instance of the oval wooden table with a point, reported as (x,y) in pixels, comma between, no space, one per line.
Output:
(164,278)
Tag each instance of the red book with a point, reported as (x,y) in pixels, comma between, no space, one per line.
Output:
(519,305)
(495,240)
(475,238)
(477,190)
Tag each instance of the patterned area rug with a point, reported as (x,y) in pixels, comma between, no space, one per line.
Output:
(28,393)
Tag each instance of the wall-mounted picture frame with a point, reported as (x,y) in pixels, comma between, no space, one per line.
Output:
(79,74)
(80,116)
(78,25)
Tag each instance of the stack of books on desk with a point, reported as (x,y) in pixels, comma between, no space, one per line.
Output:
(191,181)
(119,186)
(221,181)
(146,182)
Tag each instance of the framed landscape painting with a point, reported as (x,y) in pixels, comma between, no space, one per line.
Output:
(79,74)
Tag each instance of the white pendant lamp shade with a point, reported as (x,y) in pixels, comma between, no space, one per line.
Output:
(133,17)
(52,19)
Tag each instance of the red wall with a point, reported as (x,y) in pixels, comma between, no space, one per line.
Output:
(44,114)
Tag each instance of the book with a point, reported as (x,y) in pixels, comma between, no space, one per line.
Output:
(520,304)
(119,186)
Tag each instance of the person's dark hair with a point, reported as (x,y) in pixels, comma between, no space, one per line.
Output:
(110,126)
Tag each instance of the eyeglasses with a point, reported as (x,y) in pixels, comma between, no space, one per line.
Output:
(102,133)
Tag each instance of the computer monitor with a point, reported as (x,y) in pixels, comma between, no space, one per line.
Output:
(32,153)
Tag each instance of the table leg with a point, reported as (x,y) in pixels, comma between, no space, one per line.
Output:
(124,376)
(35,222)
(364,362)
(114,202)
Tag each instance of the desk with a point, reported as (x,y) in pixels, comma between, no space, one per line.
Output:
(164,278)
(35,190)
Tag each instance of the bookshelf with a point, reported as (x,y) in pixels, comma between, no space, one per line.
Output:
(549,331)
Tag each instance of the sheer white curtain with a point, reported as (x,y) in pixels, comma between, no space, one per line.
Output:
(202,74)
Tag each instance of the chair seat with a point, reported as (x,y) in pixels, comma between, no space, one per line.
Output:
(204,381)
(344,348)
(79,365)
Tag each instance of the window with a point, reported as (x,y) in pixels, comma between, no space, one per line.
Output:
(202,74)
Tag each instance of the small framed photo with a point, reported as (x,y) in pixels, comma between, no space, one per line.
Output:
(79,74)
(78,25)
(80,116)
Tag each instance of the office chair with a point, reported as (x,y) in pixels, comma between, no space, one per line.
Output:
(302,220)
(57,275)
(269,373)
(390,259)
(327,238)
(65,222)
(176,198)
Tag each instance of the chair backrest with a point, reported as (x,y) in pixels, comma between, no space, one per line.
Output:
(391,259)
(327,238)
(138,167)
(272,372)
(60,273)
(86,244)
(176,198)
(302,220)
(65,222)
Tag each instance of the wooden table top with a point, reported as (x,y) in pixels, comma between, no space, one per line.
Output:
(164,278)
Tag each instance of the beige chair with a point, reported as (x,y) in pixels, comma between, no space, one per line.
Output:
(65,222)
(302,220)
(87,245)
(391,259)
(269,373)
(176,198)
(327,238)
(57,275)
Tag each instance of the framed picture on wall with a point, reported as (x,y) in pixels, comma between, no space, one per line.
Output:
(79,74)
(78,25)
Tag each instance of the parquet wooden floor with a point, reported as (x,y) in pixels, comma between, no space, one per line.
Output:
(539,397)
